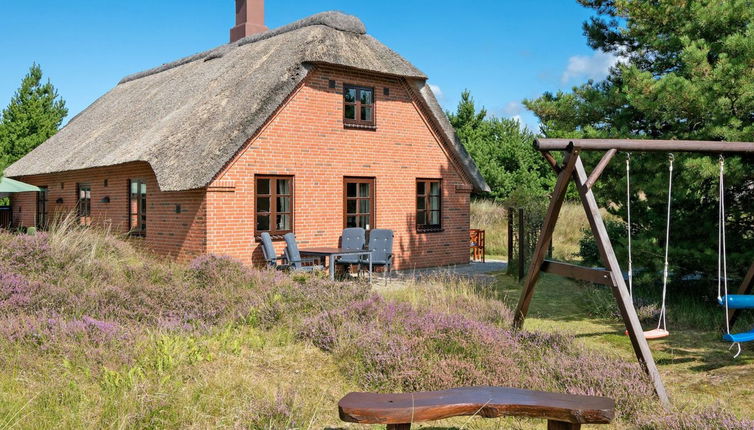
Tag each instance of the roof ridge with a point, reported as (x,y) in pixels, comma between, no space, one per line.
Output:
(334,19)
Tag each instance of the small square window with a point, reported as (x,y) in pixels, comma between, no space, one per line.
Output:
(358,106)
(386,91)
(331,84)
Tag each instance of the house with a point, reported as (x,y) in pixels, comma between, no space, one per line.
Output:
(310,128)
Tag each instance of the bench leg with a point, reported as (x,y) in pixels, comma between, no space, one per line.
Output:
(399,427)
(560,425)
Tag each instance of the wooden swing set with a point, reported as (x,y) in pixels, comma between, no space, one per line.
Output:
(572,169)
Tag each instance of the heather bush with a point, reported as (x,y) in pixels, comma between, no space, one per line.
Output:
(710,419)
(89,306)
(392,346)
(450,293)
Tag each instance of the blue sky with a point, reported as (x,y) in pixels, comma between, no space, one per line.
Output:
(503,51)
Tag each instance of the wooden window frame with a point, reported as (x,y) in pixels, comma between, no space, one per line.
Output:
(372,206)
(43,198)
(84,205)
(274,210)
(140,229)
(426,227)
(358,122)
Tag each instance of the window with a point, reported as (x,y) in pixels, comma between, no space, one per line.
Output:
(42,208)
(358,106)
(358,202)
(428,205)
(84,204)
(137,207)
(274,205)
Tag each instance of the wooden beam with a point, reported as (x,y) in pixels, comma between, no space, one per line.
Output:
(637,145)
(596,276)
(556,203)
(745,288)
(620,291)
(597,172)
(552,161)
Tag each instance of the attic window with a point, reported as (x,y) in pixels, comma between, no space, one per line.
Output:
(358,106)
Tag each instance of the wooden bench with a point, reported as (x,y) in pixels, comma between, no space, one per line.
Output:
(399,411)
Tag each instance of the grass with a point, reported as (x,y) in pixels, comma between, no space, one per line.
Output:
(95,333)
(493,218)
(696,366)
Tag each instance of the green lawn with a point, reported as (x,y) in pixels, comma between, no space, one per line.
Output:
(695,365)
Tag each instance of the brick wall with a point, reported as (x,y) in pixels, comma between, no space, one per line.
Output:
(307,139)
(181,235)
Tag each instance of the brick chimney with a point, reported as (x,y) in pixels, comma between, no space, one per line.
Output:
(249,19)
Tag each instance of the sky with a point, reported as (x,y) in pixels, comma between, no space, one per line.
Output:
(503,51)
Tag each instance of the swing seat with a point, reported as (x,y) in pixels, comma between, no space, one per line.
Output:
(657,333)
(740,337)
(737,301)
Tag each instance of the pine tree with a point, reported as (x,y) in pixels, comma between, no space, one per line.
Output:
(503,152)
(34,114)
(686,73)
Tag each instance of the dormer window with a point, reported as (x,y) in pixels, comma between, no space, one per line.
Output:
(358,106)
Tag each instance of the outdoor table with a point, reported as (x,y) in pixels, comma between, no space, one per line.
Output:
(333,253)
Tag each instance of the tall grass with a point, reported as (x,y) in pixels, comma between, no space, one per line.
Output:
(493,218)
(97,334)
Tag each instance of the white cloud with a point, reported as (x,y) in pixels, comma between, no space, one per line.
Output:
(594,67)
(513,108)
(437,90)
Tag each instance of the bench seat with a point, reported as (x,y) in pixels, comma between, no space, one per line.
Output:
(563,411)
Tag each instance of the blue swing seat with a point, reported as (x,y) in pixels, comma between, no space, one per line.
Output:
(740,337)
(738,301)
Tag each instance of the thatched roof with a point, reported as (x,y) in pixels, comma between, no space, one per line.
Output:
(188,118)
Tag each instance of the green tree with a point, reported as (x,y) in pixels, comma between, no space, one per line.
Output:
(502,150)
(34,114)
(687,72)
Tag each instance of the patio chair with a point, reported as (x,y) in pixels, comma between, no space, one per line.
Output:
(381,245)
(295,262)
(352,238)
(269,253)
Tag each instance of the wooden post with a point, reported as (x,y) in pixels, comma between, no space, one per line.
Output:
(521,243)
(510,239)
(745,288)
(556,202)
(560,425)
(620,291)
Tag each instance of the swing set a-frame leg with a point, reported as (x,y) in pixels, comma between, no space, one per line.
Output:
(620,291)
(573,168)
(548,227)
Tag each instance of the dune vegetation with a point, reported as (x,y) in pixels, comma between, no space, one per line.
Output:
(97,333)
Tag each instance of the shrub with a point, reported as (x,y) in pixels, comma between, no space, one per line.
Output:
(711,419)
(385,345)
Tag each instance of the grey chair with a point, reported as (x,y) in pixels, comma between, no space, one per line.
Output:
(269,253)
(293,256)
(352,238)
(381,245)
